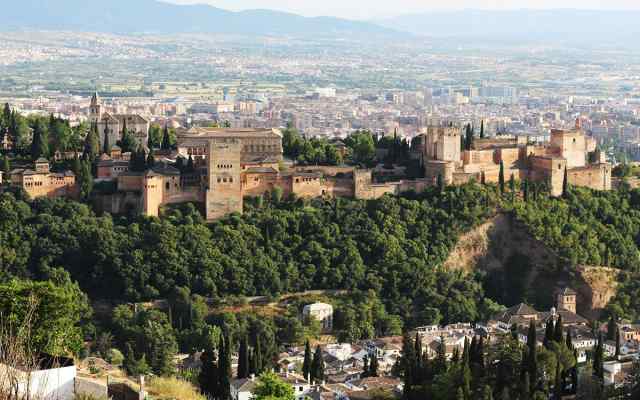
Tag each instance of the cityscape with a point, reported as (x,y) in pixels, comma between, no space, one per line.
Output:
(276,204)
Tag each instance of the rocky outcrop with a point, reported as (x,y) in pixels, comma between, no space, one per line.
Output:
(519,268)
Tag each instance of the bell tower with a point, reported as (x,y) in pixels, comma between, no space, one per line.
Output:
(95,109)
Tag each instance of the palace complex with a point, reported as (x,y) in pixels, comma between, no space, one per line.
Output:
(225,165)
(231,164)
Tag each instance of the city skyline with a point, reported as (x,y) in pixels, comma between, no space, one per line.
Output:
(361,10)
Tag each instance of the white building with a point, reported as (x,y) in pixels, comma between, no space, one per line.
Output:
(321,312)
(54,379)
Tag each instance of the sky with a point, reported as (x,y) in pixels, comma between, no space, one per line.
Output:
(369,9)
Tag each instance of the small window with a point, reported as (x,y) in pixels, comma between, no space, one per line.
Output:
(167,186)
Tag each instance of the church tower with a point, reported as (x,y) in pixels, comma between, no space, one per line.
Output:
(566,299)
(95,110)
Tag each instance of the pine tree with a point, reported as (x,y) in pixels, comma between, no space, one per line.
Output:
(501,177)
(558,335)
(317,366)
(243,358)
(565,183)
(306,365)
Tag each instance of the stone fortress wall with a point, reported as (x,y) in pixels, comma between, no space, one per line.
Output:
(236,163)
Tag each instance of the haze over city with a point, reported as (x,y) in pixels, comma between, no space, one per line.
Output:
(369,9)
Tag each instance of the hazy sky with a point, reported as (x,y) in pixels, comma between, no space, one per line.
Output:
(365,9)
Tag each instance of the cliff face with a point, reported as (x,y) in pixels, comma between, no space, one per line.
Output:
(519,268)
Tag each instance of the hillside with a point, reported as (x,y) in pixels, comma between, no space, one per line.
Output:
(151,16)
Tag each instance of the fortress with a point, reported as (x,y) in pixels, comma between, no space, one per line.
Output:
(570,150)
(230,164)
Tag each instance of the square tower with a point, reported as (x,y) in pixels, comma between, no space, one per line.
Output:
(566,300)
(224,191)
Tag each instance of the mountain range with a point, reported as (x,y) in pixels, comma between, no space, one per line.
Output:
(557,24)
(152,16)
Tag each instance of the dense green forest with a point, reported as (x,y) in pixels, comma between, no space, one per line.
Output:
(391,245)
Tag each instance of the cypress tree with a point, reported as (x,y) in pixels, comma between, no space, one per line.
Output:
(501,177)
(487,393)
(373,367)
(40,143)
(365,367)
(532,356)
(151,161)
(317,366)
(612,326)
(569,340)
(557,386)
(224,369)
(243,358)
(441,358)
(190,167)
(418,368)
(525,190)
(473,350)
(558,335)
(482,129)
(208,377)
(253,369)
(598,360)
(480,353)
(6,166)
(565,183)
(306,365)
(106,145)
(549,333)
(166,139)
(257,356)
(617,343)
(525,388)
(440,183)
(407,364)
(92,144)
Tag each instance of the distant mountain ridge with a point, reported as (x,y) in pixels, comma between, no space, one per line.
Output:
(152,16)
(557,24)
